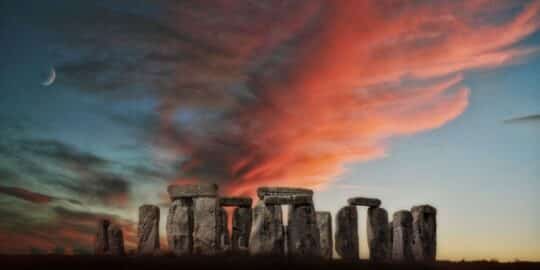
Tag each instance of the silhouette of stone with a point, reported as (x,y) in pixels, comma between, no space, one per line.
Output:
(235,201)
(224,239)
(241,228)
(424,229)
(378,234)
(148,230)
(303,236)
(288,199)
(101,244)
(267,232)
(179,227)
(402,236)
(116,240)
(390,239)
(347,233)
(192,190)
(362,201)
(324,222)
(206,220)
(282,191)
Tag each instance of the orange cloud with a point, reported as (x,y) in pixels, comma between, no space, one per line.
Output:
(336,85)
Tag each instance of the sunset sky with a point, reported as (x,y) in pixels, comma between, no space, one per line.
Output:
(411,102)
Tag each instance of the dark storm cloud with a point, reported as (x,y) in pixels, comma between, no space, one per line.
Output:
(32,196)
(61,152)
(533,118)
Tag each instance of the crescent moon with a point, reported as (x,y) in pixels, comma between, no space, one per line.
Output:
(50,79)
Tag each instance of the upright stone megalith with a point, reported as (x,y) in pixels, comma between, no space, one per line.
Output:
(267,233)
(324,222)
(101,244)
(148,230)
(206,229)
(378,234)
(116,240)
(402,236)
(241,228)
(224,239)
(303,236)
(180,227)
(347,233)
(424,230)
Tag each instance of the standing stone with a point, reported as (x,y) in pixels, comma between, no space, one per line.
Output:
(148,230)
(180,227)
(303,236)
(241,228)
(206,225)
(116,240)
(378,234)
(267,233)
(402,236)
(424,227)
(101,244)
(324,222)
(390,238)
(224,239)
(347,233)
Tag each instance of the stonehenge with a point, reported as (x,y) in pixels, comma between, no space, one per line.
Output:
(197,224)
(324,222)
(148,230)
(346,236)
(424,232)
(109,239)
(401,236)
(378,234)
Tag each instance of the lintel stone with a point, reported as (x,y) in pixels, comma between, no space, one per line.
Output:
(292,199)
(192,190)
(363,201)
(282,191)
(235,201)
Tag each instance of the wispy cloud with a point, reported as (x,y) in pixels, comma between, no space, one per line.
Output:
(533,118)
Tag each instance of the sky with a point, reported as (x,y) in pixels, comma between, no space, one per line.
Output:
(412,102)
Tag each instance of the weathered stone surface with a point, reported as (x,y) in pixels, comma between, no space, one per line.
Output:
(148,230)
(289,199)
(390,238)
(224,239)
(424,228)
(101,244)
(378,234)
(402,236)
(241,228)
(235,201)
(324,222)
(267,233)
(282,191)
(206,225)
(362,201)
(347,233)
(179,227)
(303,236)
(116,240)
(192,190)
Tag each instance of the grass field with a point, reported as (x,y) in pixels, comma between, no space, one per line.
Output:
(57,262)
